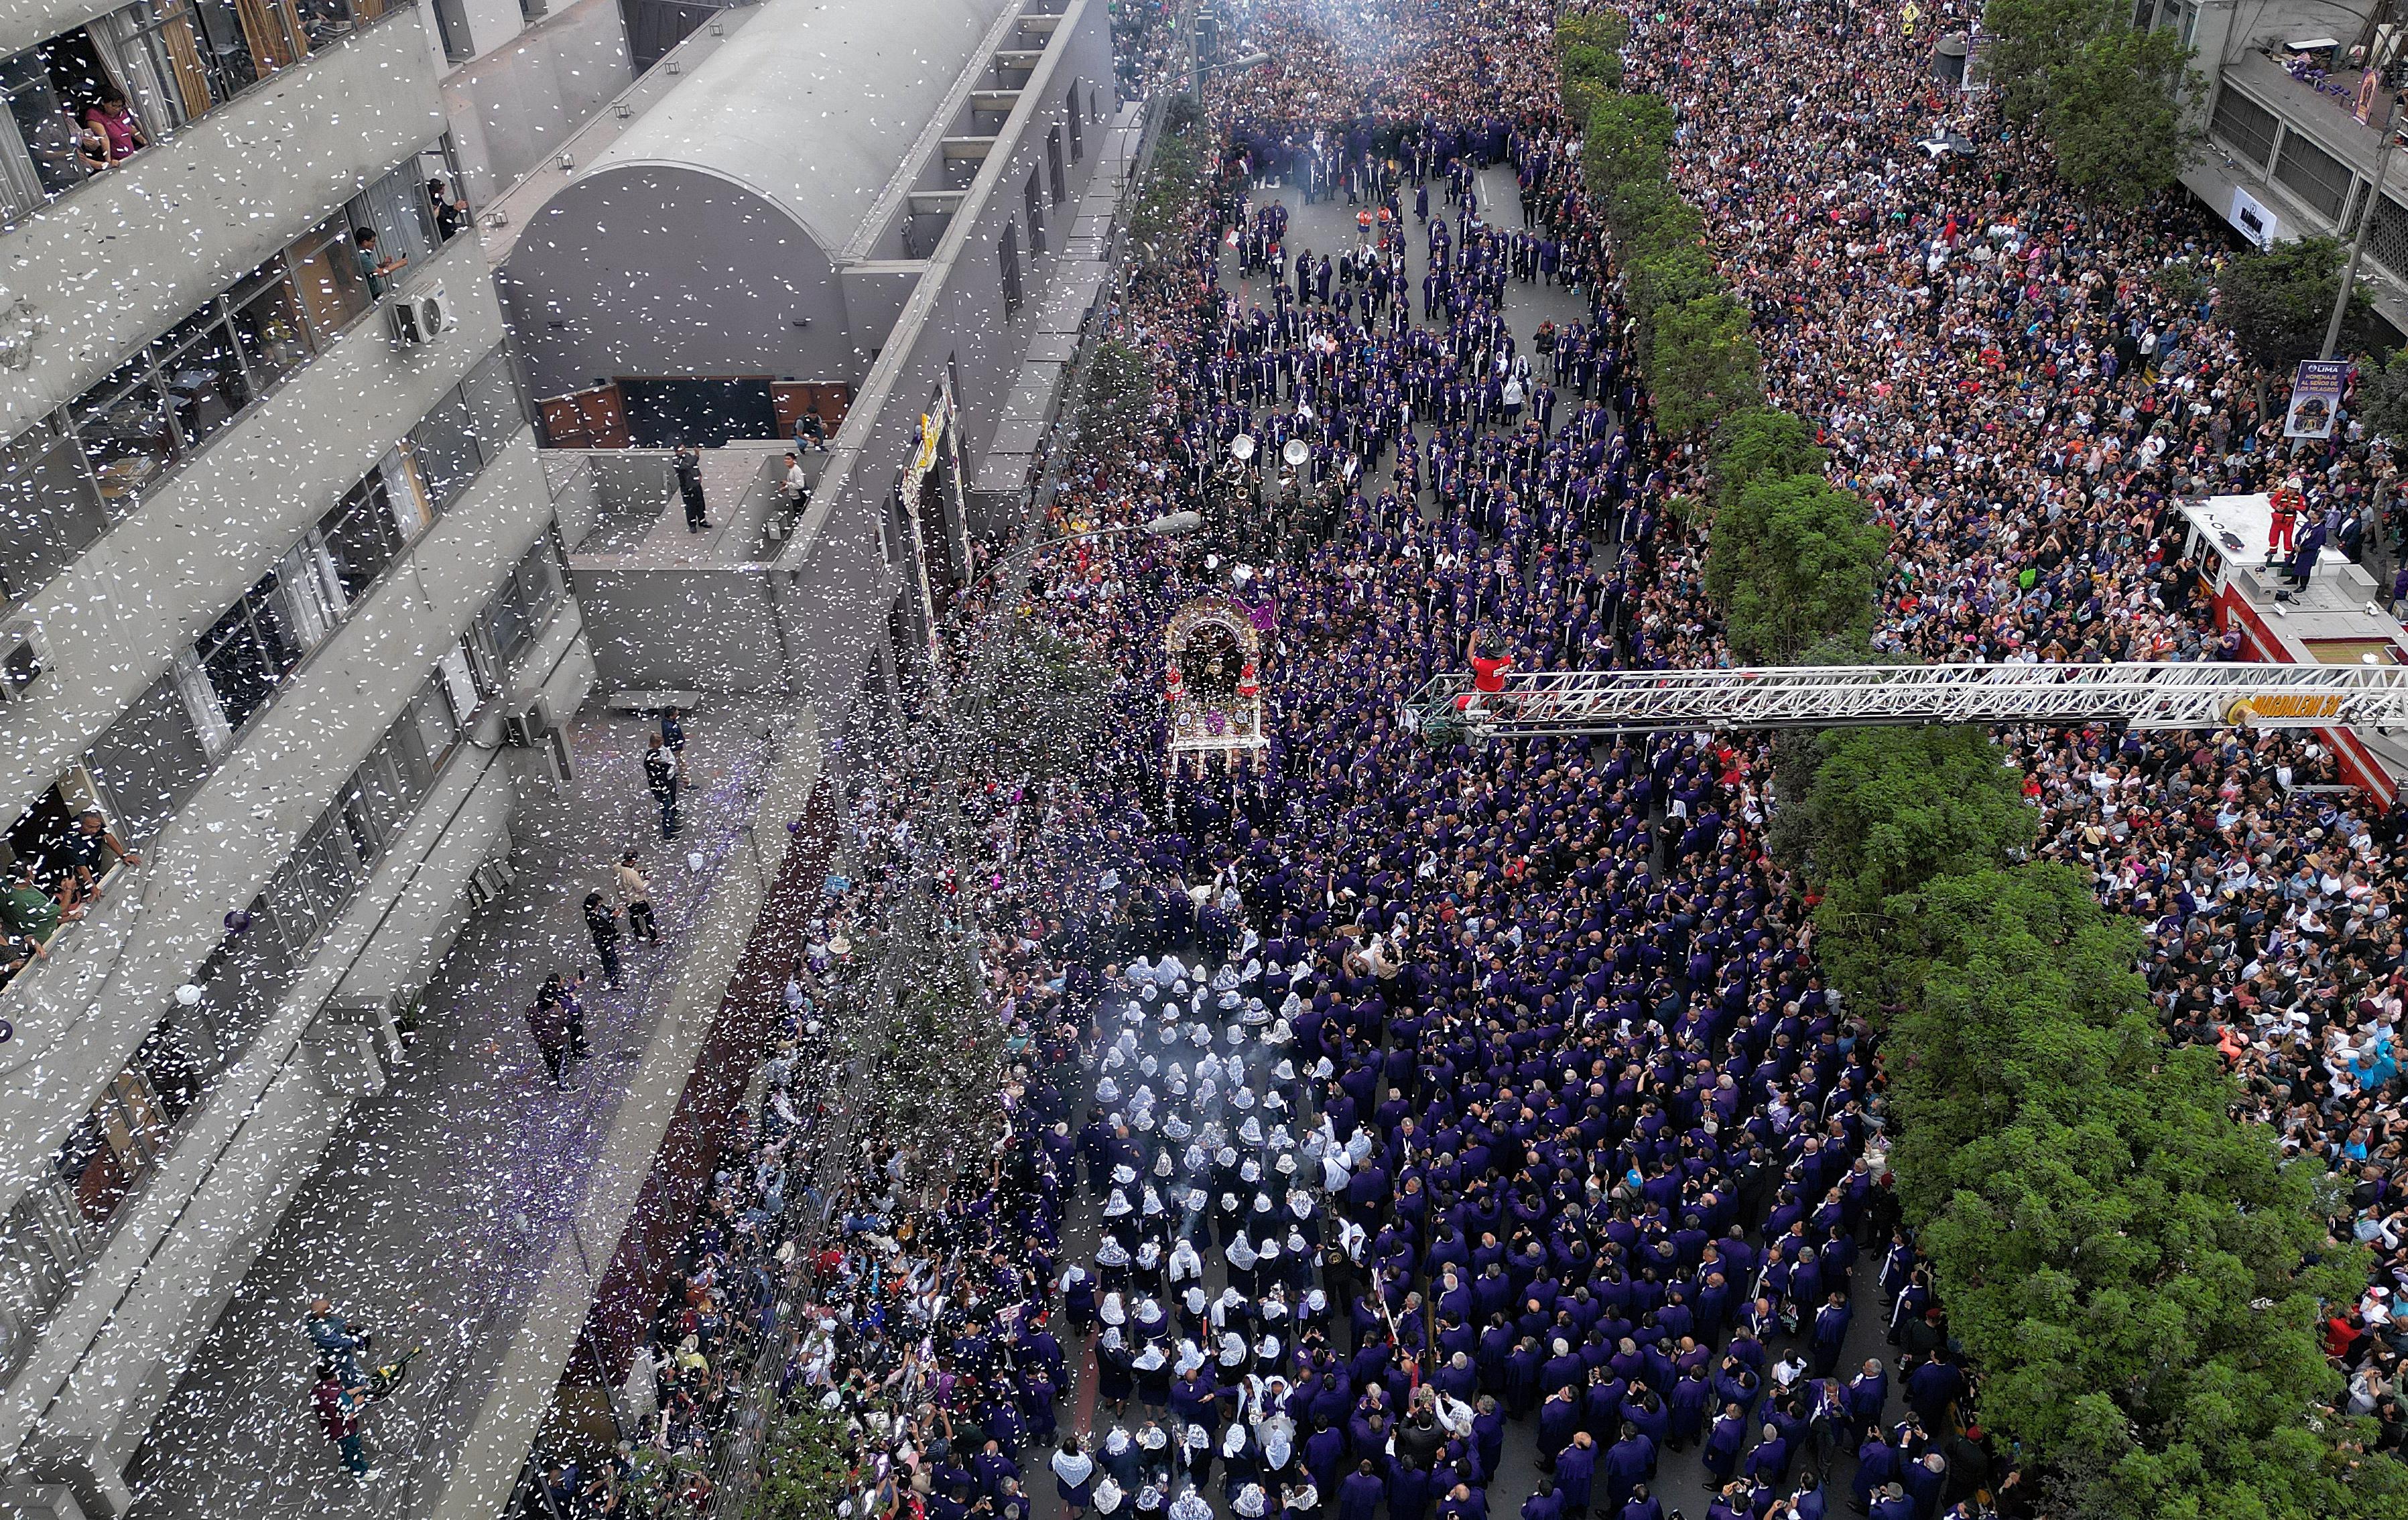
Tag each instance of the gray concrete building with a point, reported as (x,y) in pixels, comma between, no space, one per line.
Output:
(890,219)
(2286,154)
(293,595)
(520,76)
(284,605)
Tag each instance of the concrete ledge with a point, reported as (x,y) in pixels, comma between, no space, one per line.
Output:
(657,701)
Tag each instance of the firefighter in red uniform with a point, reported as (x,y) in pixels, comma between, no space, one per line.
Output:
(1489,672)
(2287,502)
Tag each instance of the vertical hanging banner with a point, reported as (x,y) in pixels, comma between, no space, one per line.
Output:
(2315,398)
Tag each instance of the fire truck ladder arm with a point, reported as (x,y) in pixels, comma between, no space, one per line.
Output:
(2183,695)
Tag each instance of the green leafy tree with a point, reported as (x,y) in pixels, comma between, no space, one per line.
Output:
(1702,364)
(2116,114)
(1601,67)
(1762,441)
(1606,30)
(1792,560)
(2029,41)
(2109,96)
(2133,1271)
(1889,809)
(1649,220)
(1039,714)
(1625,141)
(1118,397)
(1173,185)
(805,1470)
(1672,277)
(2383,397)
(1582,97)
(2278,301)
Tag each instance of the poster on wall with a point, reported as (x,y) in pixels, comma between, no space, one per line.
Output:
(2315,398)
(2254,219)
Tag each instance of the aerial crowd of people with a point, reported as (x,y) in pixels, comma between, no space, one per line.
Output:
(1395,1130)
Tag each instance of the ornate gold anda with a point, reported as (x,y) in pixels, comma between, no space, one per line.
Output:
(1213,683)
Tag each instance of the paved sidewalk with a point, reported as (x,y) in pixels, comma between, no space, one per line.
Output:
(439,1201)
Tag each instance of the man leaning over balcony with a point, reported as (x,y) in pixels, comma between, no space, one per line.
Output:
(93,852)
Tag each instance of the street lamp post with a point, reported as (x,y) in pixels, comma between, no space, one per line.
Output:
(2365,225)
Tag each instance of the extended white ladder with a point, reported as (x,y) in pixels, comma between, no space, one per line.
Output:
(1537,703)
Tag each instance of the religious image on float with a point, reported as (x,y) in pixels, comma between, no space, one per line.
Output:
(1212,685)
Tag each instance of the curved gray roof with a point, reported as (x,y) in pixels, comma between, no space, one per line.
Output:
(813,105)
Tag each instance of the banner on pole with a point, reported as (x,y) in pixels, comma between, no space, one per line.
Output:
(2315,398)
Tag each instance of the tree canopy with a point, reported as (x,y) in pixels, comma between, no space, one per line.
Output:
(2278,302)
(1792,560)
(2111,98)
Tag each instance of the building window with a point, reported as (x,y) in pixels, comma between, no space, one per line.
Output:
(1057,182)
(172,61)
(255,645)
(1035,204)
(451,23)
(268,324)
(1077,147)
(2386,241)
(225,52)
(1007,249)
(200,366)
(168,400)
(517,613)
(2319,179)
(2183,16)
(50,509)
(45,135)
(370,527)
(149,762)
(2244,126)
(115,1146)
(123,426)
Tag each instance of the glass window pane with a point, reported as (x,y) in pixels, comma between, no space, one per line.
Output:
(150,760)
(389,790)
(405,489)
(359,820)
(50,509)
(327,276)
(325,21)
(223,50)
(268,325)
(293,914)
(396,207)
(447,452)
(123,424)
(202,371)
(248,652)
(237,667)
(42,122)
(361,537)
(506,621)
(430,715)
(541,575)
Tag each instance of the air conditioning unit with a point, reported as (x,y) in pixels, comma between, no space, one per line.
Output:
(423,316)
(377,1015)
(488,882)
(533,727)
(529,727)
(25,659)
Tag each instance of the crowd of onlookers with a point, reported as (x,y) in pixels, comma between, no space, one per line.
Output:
(2022,383)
